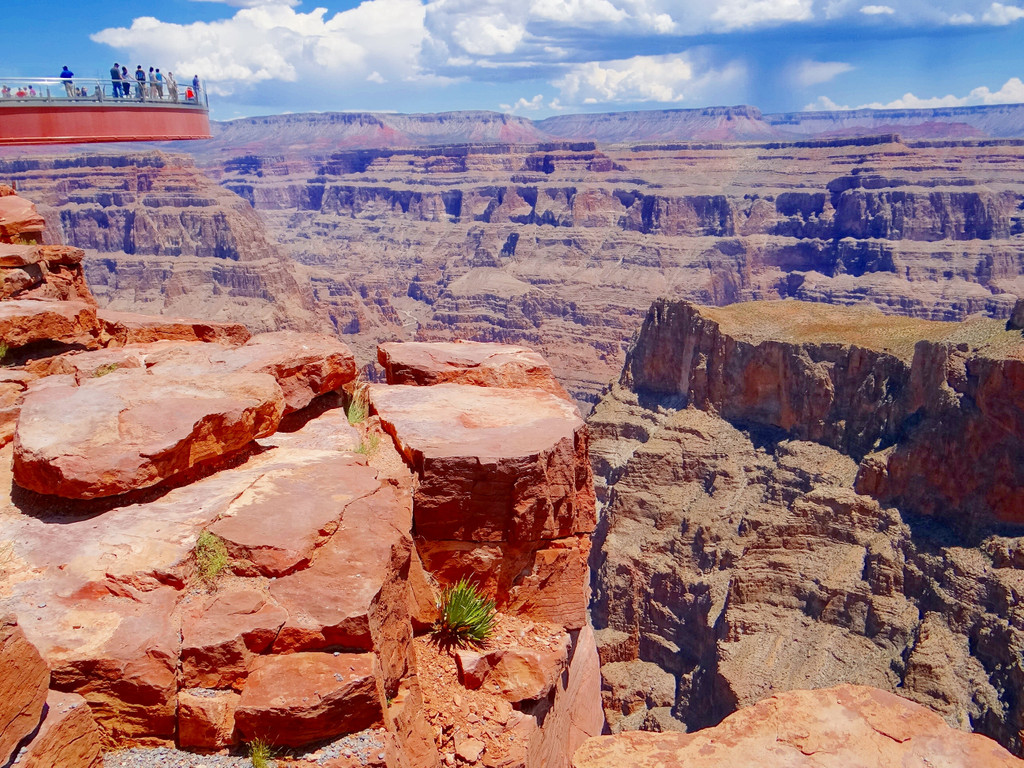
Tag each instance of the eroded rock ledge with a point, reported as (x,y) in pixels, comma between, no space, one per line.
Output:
(798,496)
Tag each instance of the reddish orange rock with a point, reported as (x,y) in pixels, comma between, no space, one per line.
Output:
(206,718)
(283,517)
(19,219)
(129,430)
(129,328)
(300,698)
(515,674)
(52,272)
(829,728)
(360,577)
(68,736)
(493,464)
(222,633)
(24,678)
(305,364)
(13,385)
(467,362)
(24,321)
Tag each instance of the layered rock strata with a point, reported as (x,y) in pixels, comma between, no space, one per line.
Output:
(781,513)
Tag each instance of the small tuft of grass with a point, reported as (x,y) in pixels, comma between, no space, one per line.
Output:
(368,445)
(358,407)
(103,370)
(211,557)
(4,349)
(467,617)
(260,753)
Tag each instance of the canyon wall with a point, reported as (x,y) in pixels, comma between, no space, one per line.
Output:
(563,246)
(797,496)
(162,238)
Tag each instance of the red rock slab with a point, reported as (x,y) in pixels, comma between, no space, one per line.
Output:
(128,430)
(68,736)
(223,632)
(828,728)
(206,718)
(25,255)
(19,220)
(23,321)
(279,521)
(330,431)
(129,328)
(92,364)
(24,678)
(306,365)
(515,674)
(483,364)
(119,651)
(493,464)
(300,698)
(13,385)
(547,581)
(360,578)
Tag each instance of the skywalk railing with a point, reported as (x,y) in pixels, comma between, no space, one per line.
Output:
(84,90)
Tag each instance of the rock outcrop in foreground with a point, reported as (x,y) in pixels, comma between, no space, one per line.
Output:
(798,496)
(200,548)
(830,728)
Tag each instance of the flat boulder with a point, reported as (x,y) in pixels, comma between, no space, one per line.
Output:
(493,464)
(24,679)
(19,219)
(828,728)
(279,521)
(483,364)
(301,698)
(306,365)
(123,328)
(25,321)
(515,674)
(206,718)
(222,633)
(68,737)
(131,430)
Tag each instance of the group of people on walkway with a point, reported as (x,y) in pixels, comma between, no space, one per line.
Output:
(154,86)
(149,87)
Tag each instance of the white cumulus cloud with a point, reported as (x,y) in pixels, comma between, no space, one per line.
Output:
(524,105)
(809,72)
(738,14)
(1001,15)
(275,42)
(669,78)
(1012,92)
(877,10)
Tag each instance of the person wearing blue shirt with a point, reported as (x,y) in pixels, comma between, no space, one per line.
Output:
(66,75)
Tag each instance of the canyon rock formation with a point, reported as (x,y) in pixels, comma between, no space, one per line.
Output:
(798,496)
(830,728)
(200,548)
(559,245)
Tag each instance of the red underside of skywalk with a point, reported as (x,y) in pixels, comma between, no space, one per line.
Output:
(22,123)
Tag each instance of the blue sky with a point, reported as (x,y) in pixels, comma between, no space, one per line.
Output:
(539,57)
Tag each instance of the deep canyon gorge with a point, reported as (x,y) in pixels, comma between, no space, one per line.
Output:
(773,439)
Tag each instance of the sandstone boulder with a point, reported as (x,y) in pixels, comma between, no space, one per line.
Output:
(467,362)
(301,698)
(67,738)
(24,679)
(19,219)
(13,385)
(130,328)
(305,365)
(24,321)
(515,674)
(129,430)
(493,464)
(278,522)
(52,272)
(206,718)
(827,728)
(222,634)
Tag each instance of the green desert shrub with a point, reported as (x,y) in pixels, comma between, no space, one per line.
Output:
(467,617)
(103,370)
(260,753)
(369,444)
(211,557)
(358,407)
